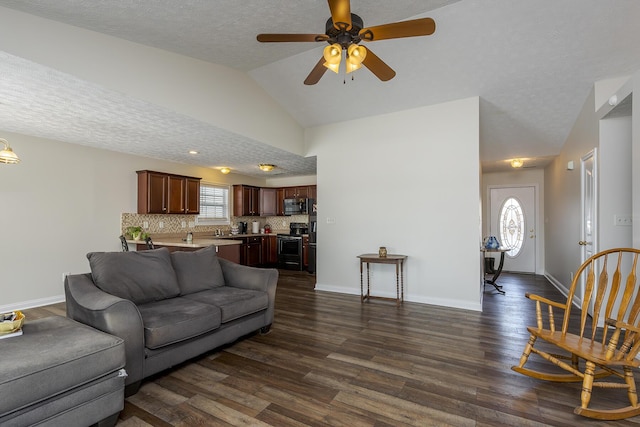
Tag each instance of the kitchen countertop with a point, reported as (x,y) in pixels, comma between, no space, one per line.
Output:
(201,240)
(197,242)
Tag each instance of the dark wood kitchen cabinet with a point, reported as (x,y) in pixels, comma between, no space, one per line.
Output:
(267,201)
(269,250)
(252,251)
(280,201)
(296,192)
(305,251)
(229,252)
(163,193)
(246,200)
(300,192)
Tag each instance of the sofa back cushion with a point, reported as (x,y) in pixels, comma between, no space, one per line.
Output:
(197,271)
(141,276)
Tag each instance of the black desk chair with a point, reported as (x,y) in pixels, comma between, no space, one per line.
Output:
(125,245)
(149,243)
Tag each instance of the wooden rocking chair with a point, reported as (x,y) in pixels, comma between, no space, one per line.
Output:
(610,349)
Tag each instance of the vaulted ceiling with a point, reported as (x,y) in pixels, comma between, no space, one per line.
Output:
(531,63)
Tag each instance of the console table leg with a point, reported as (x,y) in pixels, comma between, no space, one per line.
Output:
(397,286)
(361,287)
(368,282)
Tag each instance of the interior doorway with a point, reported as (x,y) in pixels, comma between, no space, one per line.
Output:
(513,222)
(588,200)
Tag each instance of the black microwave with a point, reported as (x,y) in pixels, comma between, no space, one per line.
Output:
(297,206)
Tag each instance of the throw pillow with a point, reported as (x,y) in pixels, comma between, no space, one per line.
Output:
(197,271)
(141,276)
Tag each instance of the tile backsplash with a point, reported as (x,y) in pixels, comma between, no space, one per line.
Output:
(160,224)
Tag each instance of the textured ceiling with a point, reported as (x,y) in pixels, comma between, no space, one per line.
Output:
(531,63)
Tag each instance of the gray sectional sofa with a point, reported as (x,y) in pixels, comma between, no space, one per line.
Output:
(170,307)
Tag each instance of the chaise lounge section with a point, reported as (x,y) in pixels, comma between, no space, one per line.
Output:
(170,307)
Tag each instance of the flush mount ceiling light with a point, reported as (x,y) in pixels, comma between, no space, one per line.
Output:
(225,170)
(517,163)
(193,152)
(266,167)
(7,155)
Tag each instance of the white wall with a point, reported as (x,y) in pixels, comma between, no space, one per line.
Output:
(518,178)
(208,92)
(409,181)
(614,158)
(612,138)
(61,202)
(635,156)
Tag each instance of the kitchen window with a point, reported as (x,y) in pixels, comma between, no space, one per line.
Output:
(214,204)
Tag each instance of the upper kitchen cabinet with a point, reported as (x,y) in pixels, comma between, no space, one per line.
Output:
(280,201)
(267,202)
(246,200)
(301,192)
(163,193)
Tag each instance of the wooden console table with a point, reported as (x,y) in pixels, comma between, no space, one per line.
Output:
(398,260)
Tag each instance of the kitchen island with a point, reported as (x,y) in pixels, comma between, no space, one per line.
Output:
(226,248)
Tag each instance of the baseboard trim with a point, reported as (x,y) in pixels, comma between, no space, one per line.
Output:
(32,303)
(560,287)
(409,298)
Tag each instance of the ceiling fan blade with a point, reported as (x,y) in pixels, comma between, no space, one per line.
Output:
(413,28)
(316,74)
(378,66)
(341,14)
(276,38)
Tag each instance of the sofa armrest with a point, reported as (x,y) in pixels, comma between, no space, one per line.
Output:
(87,304)
(257,279)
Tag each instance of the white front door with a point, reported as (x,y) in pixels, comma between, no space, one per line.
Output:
(513,222)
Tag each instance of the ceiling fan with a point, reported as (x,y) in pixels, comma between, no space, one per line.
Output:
(344,32)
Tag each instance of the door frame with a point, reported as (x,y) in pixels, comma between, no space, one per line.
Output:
(538,254)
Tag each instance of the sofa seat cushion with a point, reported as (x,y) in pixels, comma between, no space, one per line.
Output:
(51,357)
(197,270)
(233,302)
(141,276)
(176,319)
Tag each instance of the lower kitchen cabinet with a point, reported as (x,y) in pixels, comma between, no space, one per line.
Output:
(229,252)
(251,251)
(305,252)
(269,250)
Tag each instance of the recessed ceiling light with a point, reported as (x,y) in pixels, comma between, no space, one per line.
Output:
(193,152)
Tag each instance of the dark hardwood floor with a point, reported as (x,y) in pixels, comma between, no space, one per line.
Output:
(330,360)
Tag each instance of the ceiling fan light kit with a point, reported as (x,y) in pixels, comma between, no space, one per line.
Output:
(7,155)
(344,32)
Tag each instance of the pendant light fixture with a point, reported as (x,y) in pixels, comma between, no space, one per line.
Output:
(7,155)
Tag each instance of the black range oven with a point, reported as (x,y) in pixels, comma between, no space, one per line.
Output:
(289,251)
(290,247)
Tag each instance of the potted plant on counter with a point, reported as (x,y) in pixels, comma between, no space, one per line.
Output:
(136,233)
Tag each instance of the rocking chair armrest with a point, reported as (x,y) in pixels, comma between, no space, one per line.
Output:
(621,325)
(546,301)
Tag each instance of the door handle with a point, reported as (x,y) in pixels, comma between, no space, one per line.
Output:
(584,243)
